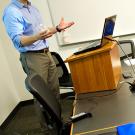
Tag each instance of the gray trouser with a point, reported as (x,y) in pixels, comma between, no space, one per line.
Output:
(44,65)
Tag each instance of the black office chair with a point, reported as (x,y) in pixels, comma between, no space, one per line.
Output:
(126,55)
(132,46)
(50,105)
(65,79)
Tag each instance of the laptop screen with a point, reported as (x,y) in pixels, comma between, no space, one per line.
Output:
(108,28)
(107,32)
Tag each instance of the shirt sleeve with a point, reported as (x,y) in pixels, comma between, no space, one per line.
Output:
(14,26)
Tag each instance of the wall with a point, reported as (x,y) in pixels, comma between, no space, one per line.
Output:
(12,89)
(9,97)
(89,17)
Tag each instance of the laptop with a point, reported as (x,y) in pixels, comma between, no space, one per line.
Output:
(107,32)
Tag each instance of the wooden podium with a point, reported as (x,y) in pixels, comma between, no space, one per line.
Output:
(96,70)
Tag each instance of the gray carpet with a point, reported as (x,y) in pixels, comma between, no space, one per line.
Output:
(26,122)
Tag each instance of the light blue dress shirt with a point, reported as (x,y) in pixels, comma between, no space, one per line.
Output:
(23,20)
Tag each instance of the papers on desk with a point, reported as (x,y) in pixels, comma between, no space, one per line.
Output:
(132,61)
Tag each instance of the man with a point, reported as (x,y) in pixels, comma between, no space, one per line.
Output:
(25,27)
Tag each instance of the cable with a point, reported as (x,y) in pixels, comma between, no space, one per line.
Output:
(123,52)
(98,95)
(93,99)
(103,93)
(128,58)
(132,85)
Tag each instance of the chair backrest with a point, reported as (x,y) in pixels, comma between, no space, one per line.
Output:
(132,46)
(37,87)
(60,63)
(63,74)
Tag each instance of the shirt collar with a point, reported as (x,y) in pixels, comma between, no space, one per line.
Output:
(19,4)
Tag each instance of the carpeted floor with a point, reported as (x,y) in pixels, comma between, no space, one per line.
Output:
(26,122)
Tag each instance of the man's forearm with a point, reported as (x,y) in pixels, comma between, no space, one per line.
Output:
(52,29)
(28,40)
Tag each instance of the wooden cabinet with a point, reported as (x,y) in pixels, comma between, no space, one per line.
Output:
(96,70)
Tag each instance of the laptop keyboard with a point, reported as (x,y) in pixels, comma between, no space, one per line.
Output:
(92,46)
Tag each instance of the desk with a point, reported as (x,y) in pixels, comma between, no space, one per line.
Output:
(113,108)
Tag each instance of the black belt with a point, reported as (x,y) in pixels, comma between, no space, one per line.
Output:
(45,50)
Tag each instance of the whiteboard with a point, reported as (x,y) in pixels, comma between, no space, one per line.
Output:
(89,16)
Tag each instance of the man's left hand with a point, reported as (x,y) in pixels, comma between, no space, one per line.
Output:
(64,25)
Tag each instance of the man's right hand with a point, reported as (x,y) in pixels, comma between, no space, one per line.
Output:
(28,40)
(44,34)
